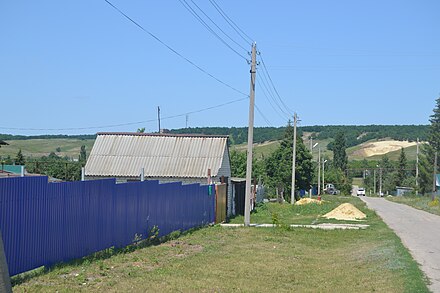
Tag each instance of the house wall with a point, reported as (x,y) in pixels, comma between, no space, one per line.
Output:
(225,170)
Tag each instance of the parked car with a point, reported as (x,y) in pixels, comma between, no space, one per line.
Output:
(360,192)
(330,189)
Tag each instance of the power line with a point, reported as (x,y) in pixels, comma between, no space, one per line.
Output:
(234,26)
(271,101)
(273,85)
(199,18)
(129,123)
(264,117)
(173,50)
(266,85)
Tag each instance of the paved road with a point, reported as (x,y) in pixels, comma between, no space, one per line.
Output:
(419,231)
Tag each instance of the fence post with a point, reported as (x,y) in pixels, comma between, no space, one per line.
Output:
(5,280)
(22,171)
(83,174)
(142,174)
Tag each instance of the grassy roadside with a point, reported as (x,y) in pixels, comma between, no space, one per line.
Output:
(424,203)
(217,259)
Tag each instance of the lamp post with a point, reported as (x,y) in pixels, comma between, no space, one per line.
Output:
(323,181)
(311,152)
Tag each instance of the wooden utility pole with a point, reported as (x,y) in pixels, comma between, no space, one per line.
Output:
(5,280)
(319,171)
(417,168)
(158,116)
(434,181)
(292,193)
(247,209)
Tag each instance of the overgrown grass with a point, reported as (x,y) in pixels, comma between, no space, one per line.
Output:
(217,259)
(287,214)
(420,202)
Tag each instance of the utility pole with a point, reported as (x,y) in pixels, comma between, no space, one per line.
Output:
(186,124)
(5,280)
(374,171)
(417,168)
(434,181)
(247,210)
(319,171)
(380,182)
(158,116)
(292,193)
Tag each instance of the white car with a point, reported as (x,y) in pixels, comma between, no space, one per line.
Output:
(360,191)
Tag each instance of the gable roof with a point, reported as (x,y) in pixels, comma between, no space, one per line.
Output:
(3,142)
(161,155)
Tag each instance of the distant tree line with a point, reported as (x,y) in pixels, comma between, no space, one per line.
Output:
(354,135)
(46,136)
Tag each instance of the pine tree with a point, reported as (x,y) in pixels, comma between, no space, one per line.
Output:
(19,159)
(339,154)
(401,172)
(83,155)
(429,150)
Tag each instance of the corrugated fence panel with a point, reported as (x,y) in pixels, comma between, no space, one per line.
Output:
(46,223)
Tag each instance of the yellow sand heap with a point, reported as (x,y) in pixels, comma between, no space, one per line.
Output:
(307,200)
(345,211)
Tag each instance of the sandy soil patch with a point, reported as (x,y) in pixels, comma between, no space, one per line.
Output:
(345,211)
(382,147)
(307,200)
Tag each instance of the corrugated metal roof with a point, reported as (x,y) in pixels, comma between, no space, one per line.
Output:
(161,155)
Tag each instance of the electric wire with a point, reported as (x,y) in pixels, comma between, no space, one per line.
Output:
(204,24)
(129,123)
(171,49)
(234,26)
(216,25)
(263,116)
(265,83)
(265,91)
(273,85)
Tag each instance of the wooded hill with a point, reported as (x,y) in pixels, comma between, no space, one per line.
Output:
(354,134)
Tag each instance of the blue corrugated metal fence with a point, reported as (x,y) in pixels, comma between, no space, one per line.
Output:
(46,223)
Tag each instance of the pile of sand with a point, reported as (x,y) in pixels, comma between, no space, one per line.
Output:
(307,200)
(345,211)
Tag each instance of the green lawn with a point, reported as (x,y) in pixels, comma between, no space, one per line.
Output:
(216,259)
(420,202)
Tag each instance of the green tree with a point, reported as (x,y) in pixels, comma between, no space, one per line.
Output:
(82,155)
(339,153)
(401,172)
(19,159)
(278,165)
(429,150)
(141,130)
(238,164)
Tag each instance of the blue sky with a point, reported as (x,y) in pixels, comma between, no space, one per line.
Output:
(74,66)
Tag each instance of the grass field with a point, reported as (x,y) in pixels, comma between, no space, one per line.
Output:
(260,149)
(424,203)
(217,259)
(43,147)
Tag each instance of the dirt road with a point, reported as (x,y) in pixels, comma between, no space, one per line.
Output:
(419,232)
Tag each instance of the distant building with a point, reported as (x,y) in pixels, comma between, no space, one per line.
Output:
(164,157)
(437,183)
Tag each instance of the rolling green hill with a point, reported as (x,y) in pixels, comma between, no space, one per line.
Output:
(43,147)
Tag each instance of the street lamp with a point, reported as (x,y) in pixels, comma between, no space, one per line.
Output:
(323,182)
(311,152)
